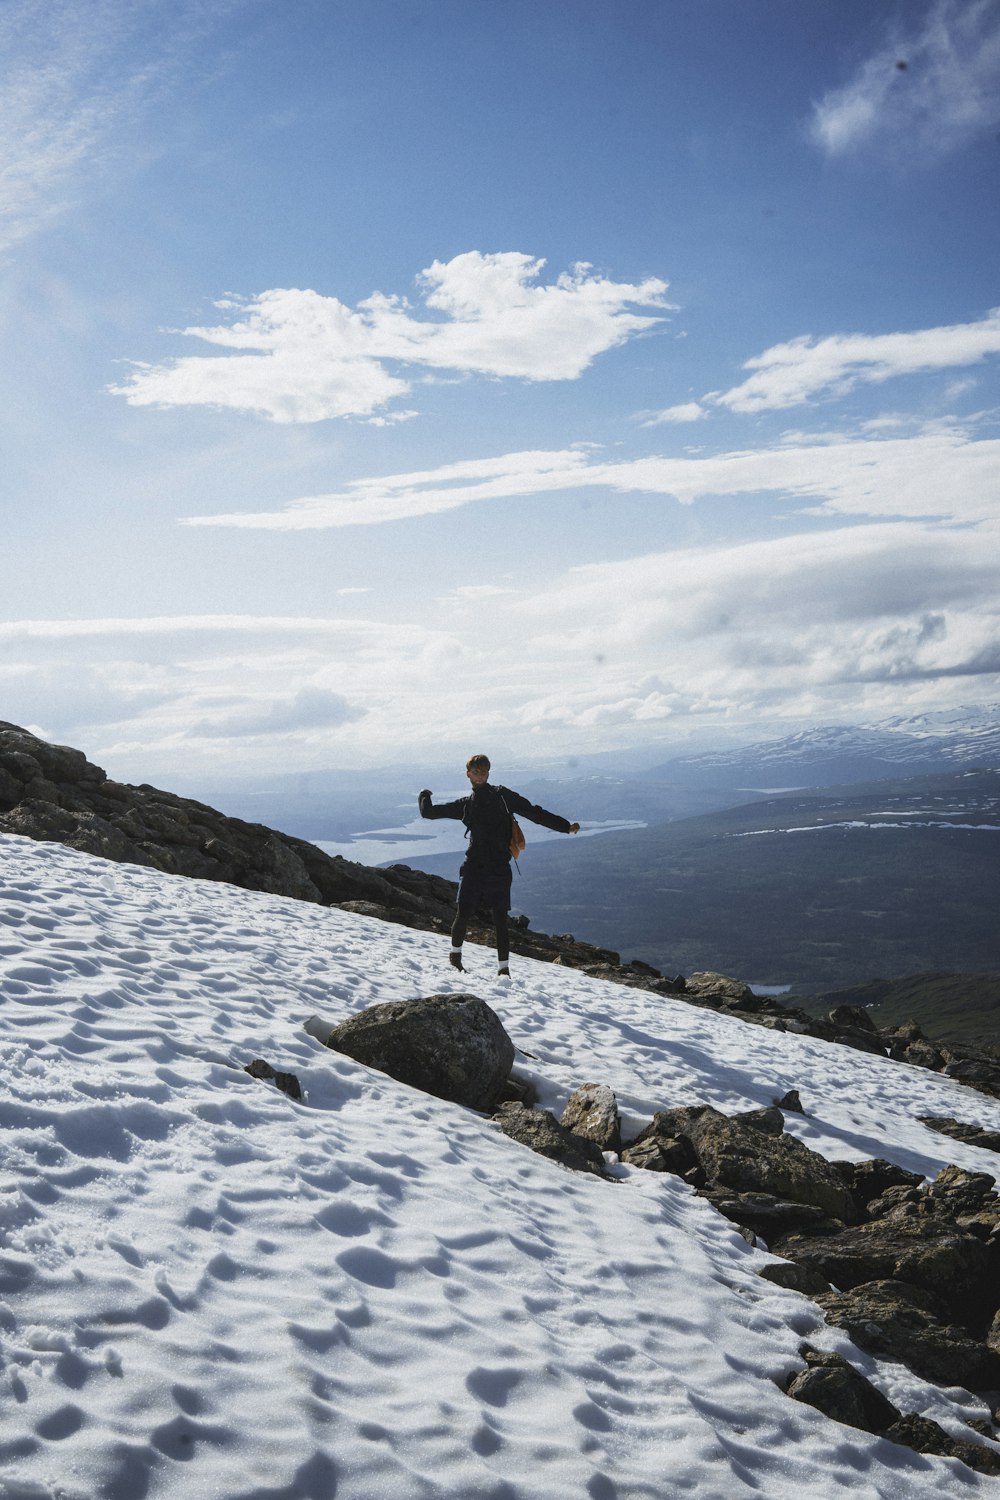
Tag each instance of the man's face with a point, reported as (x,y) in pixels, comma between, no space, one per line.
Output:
(478,775)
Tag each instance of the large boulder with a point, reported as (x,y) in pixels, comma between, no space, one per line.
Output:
(452,1046)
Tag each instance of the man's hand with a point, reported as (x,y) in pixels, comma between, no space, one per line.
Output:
(574,828)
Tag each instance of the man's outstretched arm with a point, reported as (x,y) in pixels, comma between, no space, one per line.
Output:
(446,810)
(520,805)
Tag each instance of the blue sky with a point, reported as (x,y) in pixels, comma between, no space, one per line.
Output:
(384,379)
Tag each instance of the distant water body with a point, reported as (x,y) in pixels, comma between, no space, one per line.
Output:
(424,838)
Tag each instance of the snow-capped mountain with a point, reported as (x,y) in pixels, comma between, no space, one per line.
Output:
(837,753)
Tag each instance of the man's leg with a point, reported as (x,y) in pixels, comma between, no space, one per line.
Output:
(458,928)
(503,939)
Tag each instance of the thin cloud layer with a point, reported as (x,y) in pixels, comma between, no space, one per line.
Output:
(299,356)
(939,473)
(865,619)
(928,91)
(77,82)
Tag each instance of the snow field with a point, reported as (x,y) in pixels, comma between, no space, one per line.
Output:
(209,1290)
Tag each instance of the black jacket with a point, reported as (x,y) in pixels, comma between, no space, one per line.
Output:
(486,813)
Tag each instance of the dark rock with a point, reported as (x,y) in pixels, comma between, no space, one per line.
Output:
(840,1392)
(976,1073)
(706,982)
(540,1131)
(922,1055)
(735,1155)
(893,1320)
(790,1102)
(664,1153)
(286,1082)
(972,1135)
(959,1193)
(592,1111)
(869,1179)
(767,1215)
(853,1018)
(518,1091)
(794,1278)
(451,1046)
(927,1436)
(898,1202)
(770,1120)
(920,1250)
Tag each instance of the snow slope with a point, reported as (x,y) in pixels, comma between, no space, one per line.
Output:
(208,1290)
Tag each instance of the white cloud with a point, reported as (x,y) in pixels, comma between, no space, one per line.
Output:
(930,89)
(792,373)
(688,411)
(299,356)
(942,472)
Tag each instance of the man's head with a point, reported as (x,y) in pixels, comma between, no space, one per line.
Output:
(477,768)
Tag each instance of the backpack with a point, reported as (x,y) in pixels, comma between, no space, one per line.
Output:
(512,838)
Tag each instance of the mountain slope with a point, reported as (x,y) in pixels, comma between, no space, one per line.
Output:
(947,1007)
(210,1289)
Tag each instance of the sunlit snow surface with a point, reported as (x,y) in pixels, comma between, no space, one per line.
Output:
(207,1290)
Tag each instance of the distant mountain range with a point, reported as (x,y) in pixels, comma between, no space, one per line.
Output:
(842,753)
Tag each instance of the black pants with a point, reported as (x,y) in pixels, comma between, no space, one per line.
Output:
(492,892)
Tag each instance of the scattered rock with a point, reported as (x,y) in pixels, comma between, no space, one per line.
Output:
(919,1250)
(839,1391)
(870,1179)
(592,1111)
(853,1017)
(794,1278)
(926,1436)
(972,1135)
(540,1131)
(893,1320)
(451,1046)
(286,1082)
(737,1155)
(769,1119)
(706,982)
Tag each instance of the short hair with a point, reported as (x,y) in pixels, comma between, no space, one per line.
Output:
(477,763)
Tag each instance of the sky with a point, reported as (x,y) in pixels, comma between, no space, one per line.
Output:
(386,380)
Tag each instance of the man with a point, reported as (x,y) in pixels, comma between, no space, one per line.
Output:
(485,874)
